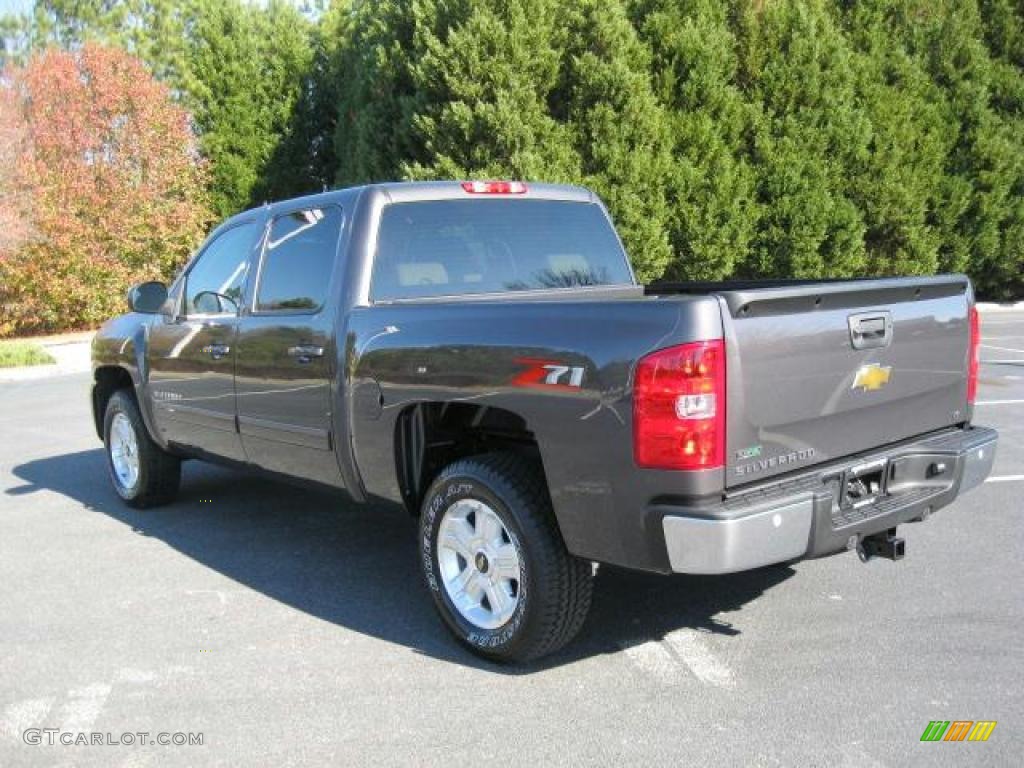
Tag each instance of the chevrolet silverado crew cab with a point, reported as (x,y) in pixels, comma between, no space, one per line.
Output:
(481,353)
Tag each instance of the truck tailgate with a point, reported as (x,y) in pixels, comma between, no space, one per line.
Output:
(824,370)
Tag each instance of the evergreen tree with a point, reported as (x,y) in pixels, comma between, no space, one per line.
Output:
(711,192)
(484,75)
(982,214)
(304,160)
(812,130)
(223,90)
(245,75)
(153,30)
(376,95)
(621,131)
(899,186)
(531,89)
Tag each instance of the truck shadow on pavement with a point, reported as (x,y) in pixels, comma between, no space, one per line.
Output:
(357,566)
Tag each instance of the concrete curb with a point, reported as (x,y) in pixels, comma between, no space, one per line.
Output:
(68,337)
(71,352)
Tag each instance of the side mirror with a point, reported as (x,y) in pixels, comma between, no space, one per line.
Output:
(147,297)
(213,303)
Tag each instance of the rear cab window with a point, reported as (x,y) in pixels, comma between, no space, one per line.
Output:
(463,247)
(298,261)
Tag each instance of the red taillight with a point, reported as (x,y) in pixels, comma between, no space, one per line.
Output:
(679,407)
(973,356)
(494,187)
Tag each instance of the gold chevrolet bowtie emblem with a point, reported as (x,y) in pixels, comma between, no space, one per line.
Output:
(872,377)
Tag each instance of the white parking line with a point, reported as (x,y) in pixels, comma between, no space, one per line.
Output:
(684,649)
(701,660)
(1004,349)
(654,659)
(22,715)
(1004,479)
(999,402)
(83,707)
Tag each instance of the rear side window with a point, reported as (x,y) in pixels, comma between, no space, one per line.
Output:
(298,260)
(446,247)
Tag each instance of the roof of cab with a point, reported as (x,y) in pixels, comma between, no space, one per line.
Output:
(415,191)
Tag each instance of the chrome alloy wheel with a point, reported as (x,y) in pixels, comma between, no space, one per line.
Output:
(124,451)
(479,564)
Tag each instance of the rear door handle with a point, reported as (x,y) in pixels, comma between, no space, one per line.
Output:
(217,351)
(305,353)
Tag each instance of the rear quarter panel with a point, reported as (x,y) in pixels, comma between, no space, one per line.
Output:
(473,351)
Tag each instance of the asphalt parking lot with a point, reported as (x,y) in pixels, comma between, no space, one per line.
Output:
(289,628)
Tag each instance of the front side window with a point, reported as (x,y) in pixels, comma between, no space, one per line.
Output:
(298,261)
(215,282)
(457,247)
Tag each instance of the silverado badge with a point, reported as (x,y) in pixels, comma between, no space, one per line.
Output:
(871,377)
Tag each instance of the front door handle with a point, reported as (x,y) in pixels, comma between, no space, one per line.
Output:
(217,351)
(305,353)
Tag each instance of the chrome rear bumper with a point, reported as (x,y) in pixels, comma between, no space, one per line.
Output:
(810,517)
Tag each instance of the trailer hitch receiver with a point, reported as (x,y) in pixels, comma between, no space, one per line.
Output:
(886,544)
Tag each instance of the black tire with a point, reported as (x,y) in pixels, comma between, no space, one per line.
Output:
(159,473)
(555,588)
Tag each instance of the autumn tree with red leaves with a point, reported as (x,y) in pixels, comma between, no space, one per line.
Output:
(117,191)
(14,197)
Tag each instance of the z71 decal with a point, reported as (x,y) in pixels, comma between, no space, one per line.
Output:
(548,374)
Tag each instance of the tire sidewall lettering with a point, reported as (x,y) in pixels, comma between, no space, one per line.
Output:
(452,490)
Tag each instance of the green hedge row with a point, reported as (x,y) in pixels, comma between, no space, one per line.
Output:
(804,138)
(801,138)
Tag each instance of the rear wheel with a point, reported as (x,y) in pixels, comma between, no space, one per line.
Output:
(495,563)
(142,473)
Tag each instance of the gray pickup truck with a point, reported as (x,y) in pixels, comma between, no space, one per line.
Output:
(481,353)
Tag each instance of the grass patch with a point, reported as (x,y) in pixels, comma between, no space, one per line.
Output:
(14,354)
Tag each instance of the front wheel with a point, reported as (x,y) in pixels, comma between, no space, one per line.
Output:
(495,563)
(142,473)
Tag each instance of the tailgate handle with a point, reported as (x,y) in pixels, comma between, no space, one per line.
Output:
(870,329)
